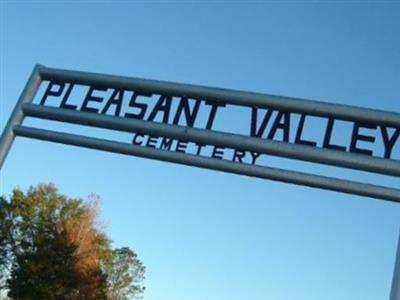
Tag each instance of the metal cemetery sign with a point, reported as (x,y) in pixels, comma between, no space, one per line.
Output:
(280,122)
(179,123)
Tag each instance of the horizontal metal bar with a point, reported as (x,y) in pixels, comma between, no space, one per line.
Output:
(236,141)
(334,184)
(236,97)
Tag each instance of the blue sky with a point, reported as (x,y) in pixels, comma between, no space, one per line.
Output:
(205,234)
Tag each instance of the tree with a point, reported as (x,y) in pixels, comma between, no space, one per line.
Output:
(52,248)
(122,270)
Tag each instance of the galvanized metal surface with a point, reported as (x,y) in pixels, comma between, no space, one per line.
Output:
(295,105)
(333,184)
(395,290)
(311,107)
(17,115)
(301,152)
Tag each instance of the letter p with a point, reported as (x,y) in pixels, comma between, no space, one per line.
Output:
(56,92)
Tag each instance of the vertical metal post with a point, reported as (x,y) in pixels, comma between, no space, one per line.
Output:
(17,115)
(395,292)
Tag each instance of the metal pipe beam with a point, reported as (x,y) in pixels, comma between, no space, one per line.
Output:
(16,118)
(395,290)
(235,97)
(235,141)
(333,184)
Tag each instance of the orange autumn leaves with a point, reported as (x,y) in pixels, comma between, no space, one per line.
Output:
(53,248)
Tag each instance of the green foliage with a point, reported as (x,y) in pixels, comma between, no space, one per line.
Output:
(123,269)
(51,248)
(47,271)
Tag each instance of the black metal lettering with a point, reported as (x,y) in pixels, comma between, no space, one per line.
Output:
(50,92)
(90,98)
(199,147)
(163,106)
(181,146)
(213,112)
(253,126)
(299,133)
(166,143)
(190,116)
(218,152)
(116,99)
(284,126)
(389,142)
(135,141)
(328,136)
(152,141)
(64,100)
(238,155)
(357,136)
(141,106)
(254,157)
